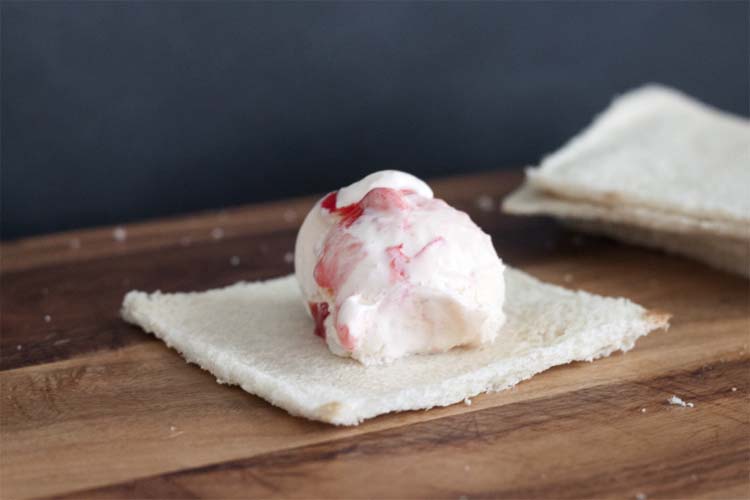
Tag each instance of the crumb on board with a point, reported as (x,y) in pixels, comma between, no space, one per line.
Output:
(61,342)
(47,318)
(19,347)
(173,432)
(676,401)
(217,233)
(467,402)
(234,261)
(289,257)
(643,410)
(734,389)
(485,203)
(641,496)
(119,234)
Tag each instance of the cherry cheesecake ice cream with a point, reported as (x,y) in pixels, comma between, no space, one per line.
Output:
(387,271)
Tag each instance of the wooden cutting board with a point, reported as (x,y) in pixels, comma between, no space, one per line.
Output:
(95,408)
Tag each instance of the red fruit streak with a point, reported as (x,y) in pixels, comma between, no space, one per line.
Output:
(399,259)
(340,254)
(398,262)
(319,311)
(345,338)
(439,239)
(329,202)
(349,214)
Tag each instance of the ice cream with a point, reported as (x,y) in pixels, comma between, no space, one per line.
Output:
(386,271)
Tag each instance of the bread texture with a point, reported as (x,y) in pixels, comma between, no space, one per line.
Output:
(729,255)
(658,169)
(705,241)
(527,200)
(656,148)
(258,336)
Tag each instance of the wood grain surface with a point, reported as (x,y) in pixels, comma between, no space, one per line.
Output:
(94,408)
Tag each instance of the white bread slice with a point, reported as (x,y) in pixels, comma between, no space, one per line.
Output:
(659,149)
(705,241)
(258,336)
(720,253)
(528,200)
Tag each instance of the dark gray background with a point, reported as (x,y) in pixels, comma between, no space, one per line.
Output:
(113,112)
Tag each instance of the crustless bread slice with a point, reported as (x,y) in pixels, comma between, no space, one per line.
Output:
(658,169)
(720,253)
(705,241)
(527,200)
(659,149)
(258,336)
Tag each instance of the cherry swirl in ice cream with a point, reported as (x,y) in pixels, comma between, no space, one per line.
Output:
(388,271)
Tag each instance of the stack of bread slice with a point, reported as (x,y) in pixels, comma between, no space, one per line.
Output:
(657,168)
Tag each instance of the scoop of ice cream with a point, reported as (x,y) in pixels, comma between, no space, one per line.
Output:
(387,271)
